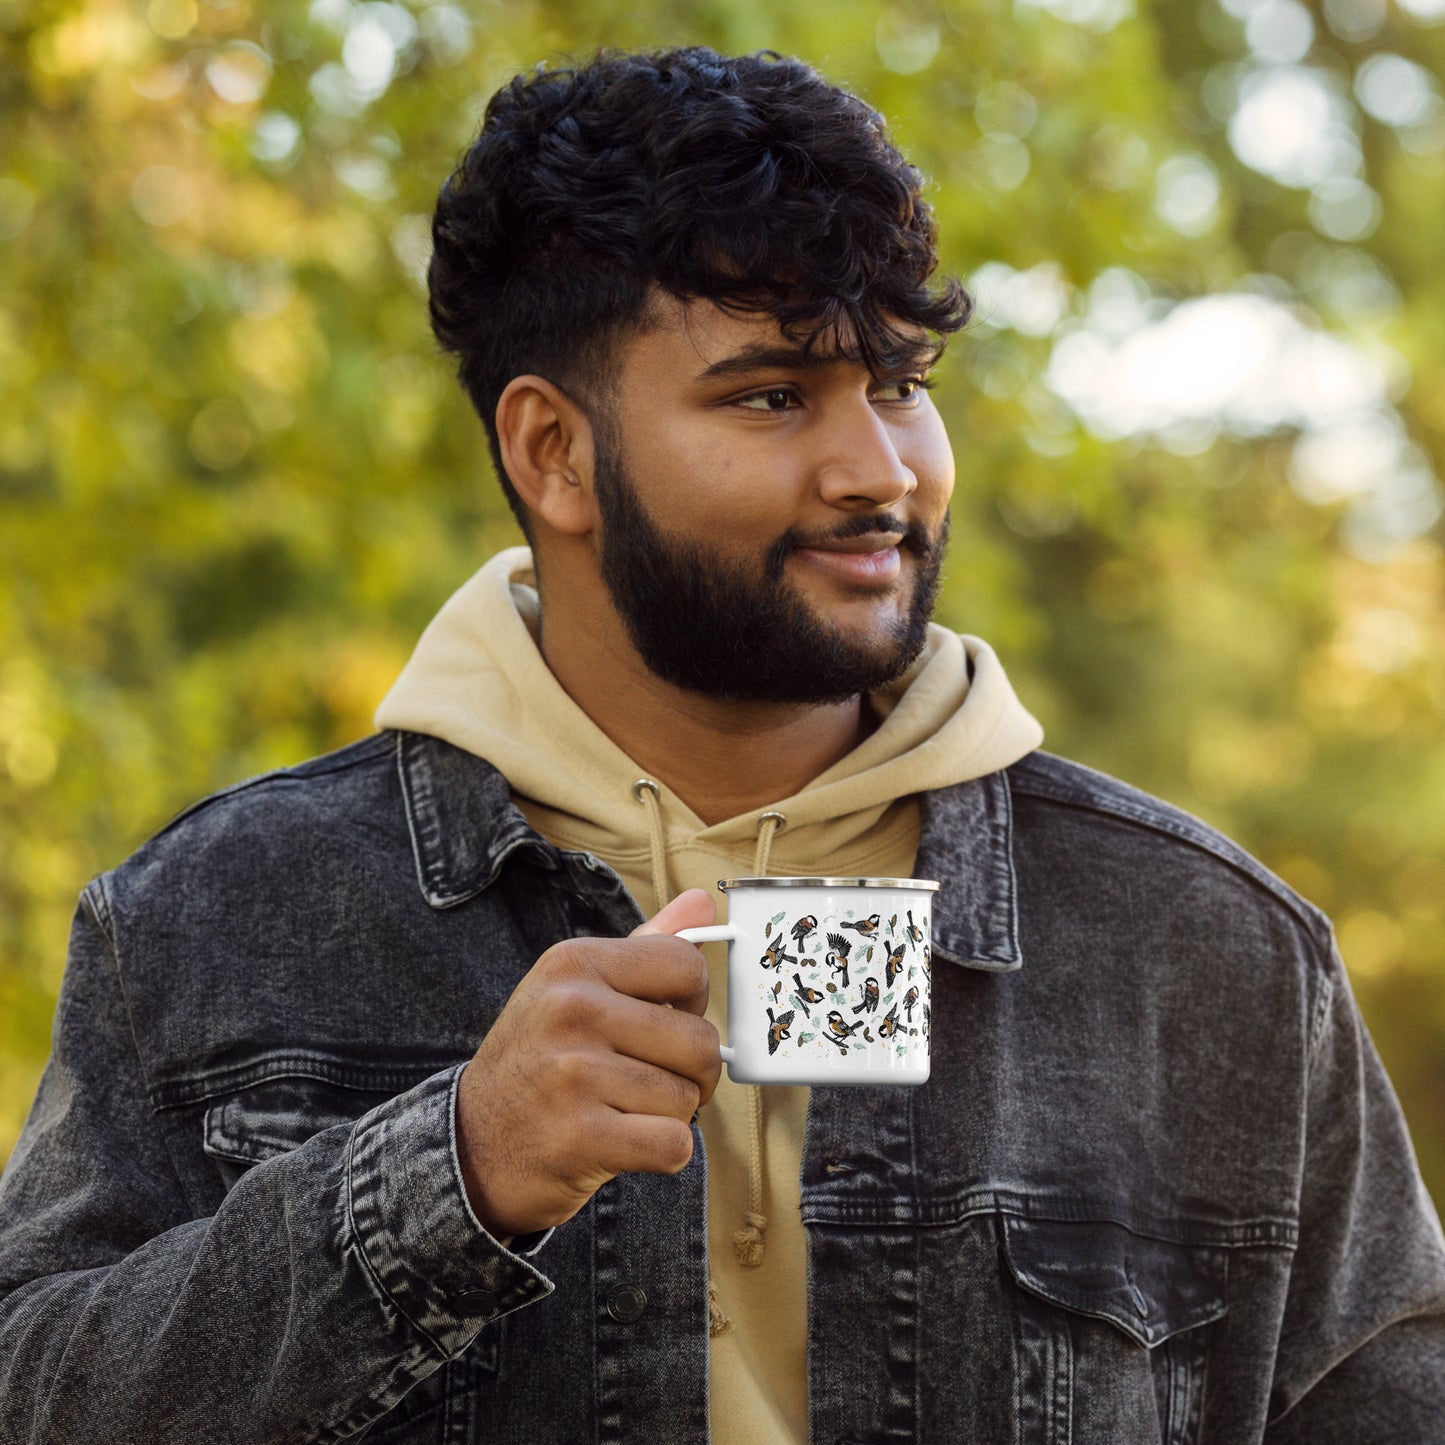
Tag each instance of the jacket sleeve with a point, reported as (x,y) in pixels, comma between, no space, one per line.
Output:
(329,1281)
(1362,1345)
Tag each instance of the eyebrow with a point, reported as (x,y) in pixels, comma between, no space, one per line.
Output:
(769,357)
(763,357)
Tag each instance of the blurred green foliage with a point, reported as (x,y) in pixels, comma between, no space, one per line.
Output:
(236,480)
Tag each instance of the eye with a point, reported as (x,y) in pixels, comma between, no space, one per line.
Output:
(775,398)
(907,391)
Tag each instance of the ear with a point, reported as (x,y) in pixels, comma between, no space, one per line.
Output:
(547,448)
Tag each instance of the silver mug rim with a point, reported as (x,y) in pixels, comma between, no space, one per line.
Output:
(920,885)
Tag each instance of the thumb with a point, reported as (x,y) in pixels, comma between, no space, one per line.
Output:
(693,909)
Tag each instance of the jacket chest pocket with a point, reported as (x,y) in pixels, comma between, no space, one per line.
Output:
(246,1128)
(258,1123)
(1111,1332)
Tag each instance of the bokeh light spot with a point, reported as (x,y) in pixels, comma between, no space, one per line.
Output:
(220,435)
(162,196)
(240,73)
(906,46)
(172,19)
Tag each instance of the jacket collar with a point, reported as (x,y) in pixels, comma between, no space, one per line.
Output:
(464,827)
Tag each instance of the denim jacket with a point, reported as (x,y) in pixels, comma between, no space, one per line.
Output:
(1156,1189)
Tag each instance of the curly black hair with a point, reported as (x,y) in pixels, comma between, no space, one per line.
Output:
(749,181)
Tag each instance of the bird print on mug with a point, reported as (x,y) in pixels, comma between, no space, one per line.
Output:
(894,965)
(776,955)
(806,995)
(778,1029)
(817,953)
(869,1000)
(802,928)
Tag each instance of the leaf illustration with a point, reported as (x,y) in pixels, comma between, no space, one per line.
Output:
(767,930)
(805,1038)
(777,918)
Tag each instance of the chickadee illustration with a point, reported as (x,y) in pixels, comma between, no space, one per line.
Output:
(895,965)
(909,1000)
(778,1029)
(839,1028)
(803,927)
(837,959)
(914,932)
(927,1024)
(867,928)
(776,955)
(928,960)
(870,997)
(889,1026)
(806,995)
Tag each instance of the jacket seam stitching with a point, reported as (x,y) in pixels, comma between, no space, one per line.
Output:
(98,902)
(1319,1019)
(355,755)
(1246,868)
(365,1258)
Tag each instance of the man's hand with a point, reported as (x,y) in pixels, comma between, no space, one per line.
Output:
(587,1073)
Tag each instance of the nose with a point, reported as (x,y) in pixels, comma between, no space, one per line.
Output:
(862,469)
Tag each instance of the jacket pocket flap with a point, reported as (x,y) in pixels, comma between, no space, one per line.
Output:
(1148,1288)
(279,1115)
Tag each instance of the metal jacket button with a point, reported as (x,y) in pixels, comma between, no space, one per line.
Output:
(626,1303)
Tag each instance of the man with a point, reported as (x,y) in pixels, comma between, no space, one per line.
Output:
(379,1106)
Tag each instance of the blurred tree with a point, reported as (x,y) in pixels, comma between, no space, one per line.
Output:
(1199,423)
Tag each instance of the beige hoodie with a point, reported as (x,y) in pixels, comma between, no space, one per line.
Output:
(478,680)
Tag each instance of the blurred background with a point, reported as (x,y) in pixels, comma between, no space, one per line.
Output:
(1200,422)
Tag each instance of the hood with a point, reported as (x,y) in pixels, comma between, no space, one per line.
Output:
(478,680)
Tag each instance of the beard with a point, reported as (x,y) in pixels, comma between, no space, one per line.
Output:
(744,632)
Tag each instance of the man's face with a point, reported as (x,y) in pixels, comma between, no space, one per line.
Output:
(772,529)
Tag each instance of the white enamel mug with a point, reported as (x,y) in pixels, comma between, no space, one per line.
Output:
(829,979)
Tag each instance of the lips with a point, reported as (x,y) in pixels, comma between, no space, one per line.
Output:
(868,542)
(873,558)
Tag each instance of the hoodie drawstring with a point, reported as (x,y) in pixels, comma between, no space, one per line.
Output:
(646,792)
(748,1242)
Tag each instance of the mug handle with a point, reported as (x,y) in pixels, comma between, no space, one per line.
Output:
(714,933)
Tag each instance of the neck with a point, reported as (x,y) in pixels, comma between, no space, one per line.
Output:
(722,758)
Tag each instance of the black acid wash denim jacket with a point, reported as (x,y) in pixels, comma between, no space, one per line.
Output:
(1157,1188)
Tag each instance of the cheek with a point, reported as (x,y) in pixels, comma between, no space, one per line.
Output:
(692,475)
(930,458)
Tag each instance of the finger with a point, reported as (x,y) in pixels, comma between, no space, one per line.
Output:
(633,1087)
(669,1039)
(692,909)
(657,969)
(641,1143)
